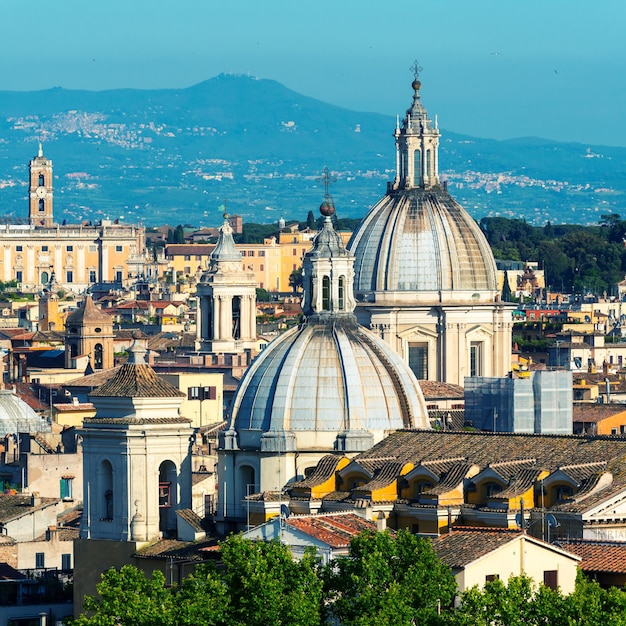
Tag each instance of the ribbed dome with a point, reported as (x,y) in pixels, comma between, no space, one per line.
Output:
(328,376)
(421,240)
(17,417)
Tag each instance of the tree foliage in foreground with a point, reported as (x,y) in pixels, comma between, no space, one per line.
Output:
(394,581)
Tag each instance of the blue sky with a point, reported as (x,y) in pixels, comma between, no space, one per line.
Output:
(550,68)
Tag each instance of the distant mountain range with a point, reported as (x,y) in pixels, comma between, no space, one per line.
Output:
(178,155)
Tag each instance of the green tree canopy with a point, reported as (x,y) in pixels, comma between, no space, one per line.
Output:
(388,580)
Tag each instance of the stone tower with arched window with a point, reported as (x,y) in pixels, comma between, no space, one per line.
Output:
(136,456)
(136,469)
(89,331)
(226,300)
(40,191)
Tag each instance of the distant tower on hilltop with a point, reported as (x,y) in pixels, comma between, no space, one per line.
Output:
(40,191)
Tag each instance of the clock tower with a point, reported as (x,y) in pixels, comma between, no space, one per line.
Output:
(40,191)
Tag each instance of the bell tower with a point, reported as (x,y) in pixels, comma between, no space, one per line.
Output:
(40,191)
(417,144)
(328,268)
(226,300)
(89,331)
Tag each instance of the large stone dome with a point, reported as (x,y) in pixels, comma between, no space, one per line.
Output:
(329,384)
(417,238)
(421,240)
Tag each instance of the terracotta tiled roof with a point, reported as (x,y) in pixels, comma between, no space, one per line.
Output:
(136,381)
(450,479)
(70,406)
(543,452)
(176,550)
(598,556)
(383,477)
(462,547)
(434,390)
(130,421)
(596,412)
(335,529)
(93,380)
(183,249)
(323,471)
(520,484)
(192,518)
(15,506)
(87,312)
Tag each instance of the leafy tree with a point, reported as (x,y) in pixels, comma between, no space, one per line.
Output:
(385,580)
(513,604)
(267,586)
(263,295)
(202,599)
(295,279)
(506,288)
(179,234)
(127,598)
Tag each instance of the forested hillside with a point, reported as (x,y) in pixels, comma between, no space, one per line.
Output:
(576,259)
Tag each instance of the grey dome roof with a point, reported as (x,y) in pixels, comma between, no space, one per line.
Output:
(16,416)
(421,240)
(328,375)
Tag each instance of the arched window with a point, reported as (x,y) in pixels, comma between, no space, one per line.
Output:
(342,289)
(245,486)
(97,356)
(106,489)
(168,497)
(417,168)
(42,206)
(44,278)
(325,293)
(73,350)
(41,180)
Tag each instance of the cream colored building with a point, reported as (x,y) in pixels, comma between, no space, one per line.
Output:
(480,555)
(188,261)
(204,403)
(77,254)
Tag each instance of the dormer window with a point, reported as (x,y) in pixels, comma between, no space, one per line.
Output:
(492,489)
(563,492)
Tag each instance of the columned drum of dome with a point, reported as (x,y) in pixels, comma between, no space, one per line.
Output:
(425,277)
(328,385)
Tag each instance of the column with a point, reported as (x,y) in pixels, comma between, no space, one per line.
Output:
(226,318)
(215,333)
(81,265)
(57,264)
(8,266)
(252,317)
(104,262)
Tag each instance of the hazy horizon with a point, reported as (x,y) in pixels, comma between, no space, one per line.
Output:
(491,69)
